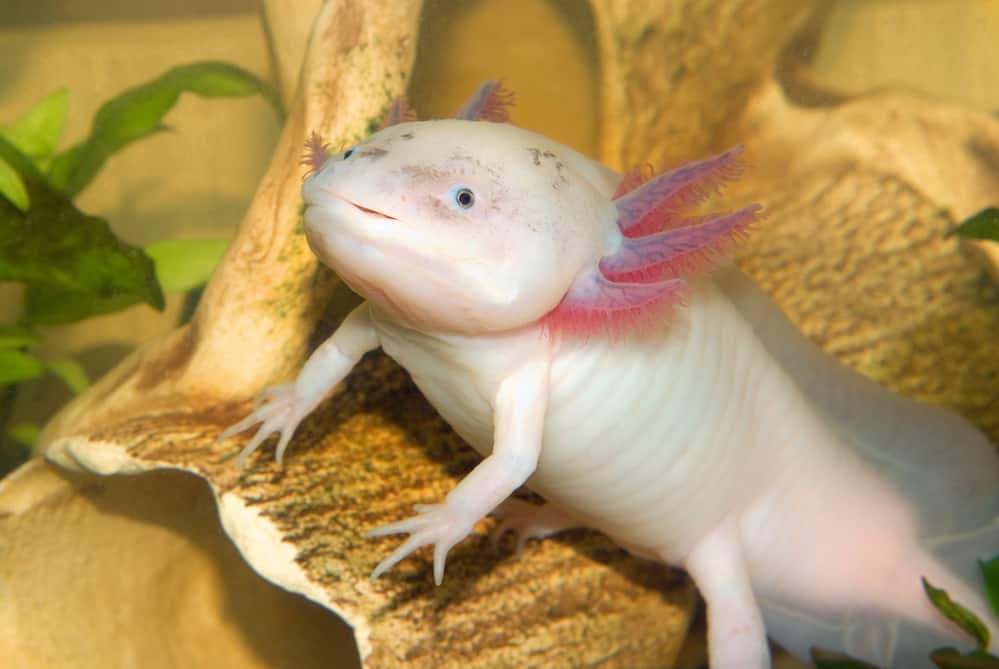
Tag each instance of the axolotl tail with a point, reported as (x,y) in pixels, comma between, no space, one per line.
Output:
(944,468)
(904,635)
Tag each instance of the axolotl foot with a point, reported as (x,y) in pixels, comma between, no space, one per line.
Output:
(529,521)
(277,409)
(439,524)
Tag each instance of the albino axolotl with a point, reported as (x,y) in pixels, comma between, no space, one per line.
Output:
(560,319)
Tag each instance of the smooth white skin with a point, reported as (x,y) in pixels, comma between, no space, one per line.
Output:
(795,492)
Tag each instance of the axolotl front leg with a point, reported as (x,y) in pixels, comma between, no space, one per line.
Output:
(281,408)
(519,410)
(518,418)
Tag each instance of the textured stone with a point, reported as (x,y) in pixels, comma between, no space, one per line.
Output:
(859,200)
(674,74)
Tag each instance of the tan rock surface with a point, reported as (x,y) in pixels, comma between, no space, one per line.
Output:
(661,62)
(859,200)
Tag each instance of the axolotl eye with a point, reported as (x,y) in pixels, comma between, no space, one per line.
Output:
(347,153)
(463,197)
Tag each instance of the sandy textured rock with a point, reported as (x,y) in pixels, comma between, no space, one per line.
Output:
(674,74)
(859,200)
(371,452)
(988,254)
(857,196)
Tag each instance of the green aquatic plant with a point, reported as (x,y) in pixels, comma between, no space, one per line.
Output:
(983,225)
(70,264)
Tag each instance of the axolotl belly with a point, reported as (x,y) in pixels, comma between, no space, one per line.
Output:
(564,323)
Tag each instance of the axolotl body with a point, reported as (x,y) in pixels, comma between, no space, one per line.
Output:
(556,318)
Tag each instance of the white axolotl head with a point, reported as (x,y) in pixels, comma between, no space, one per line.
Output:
(471,227)
(459,227)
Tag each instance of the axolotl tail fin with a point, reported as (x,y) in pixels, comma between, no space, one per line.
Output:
(904,635)
(951,564)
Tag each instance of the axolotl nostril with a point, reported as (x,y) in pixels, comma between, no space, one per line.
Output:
(558,316)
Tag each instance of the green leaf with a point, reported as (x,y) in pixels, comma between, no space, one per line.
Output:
(49,305)
(12,454)
(956,613)
(36,133)
(827,659)
(12,187)
(16,336)
(950,658)
(73,266)
(24,433)
(983,225)
(69,372)
(17,366)
(990,572)
(138,113)
(183,264)
(213,79)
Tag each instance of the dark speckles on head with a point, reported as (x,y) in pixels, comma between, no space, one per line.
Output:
(466,163)
(374,153)
(495,174)
(538,154)
(421,173)
(442,211)
(560,167)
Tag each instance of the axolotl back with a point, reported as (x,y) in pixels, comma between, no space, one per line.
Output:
(564,324)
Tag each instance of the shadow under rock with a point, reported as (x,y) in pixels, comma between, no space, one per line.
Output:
(280,628)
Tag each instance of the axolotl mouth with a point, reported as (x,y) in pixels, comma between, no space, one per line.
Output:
(370,231)
(360,207)
(362,243)
(369,211)
(322,197)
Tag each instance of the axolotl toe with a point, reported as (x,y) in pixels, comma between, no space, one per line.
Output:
(560,319)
